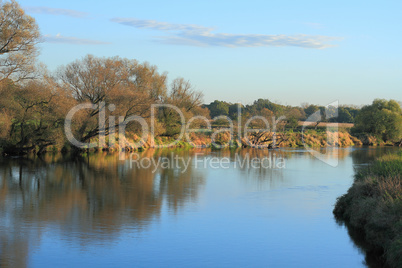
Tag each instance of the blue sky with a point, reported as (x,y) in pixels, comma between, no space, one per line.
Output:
(287,51)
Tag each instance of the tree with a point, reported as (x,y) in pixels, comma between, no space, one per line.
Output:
(218,108)
(353,111)
(260,104)
(293,116)
(314,114)
(382,118)
(311,109)
(183,96)
(37,110)
(344,116)
(234,110)
(125,84)
(19,35)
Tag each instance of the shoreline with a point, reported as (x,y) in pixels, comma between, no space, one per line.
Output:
(372,210)
(311,139)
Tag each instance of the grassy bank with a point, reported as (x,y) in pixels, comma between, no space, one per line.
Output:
(372,208)
(310,137)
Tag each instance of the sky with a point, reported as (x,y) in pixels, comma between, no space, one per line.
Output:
(290,52)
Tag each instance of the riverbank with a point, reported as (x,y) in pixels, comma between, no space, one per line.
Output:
(310,138)
(372,209)
(314,138)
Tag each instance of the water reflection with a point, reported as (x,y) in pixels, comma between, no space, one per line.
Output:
(94,199)
(88,199)
(365,155)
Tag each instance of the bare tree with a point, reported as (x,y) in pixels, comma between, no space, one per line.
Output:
(19,35)
(129,86)
(183,95)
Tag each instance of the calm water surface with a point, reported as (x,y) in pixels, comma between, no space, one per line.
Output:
(97,211)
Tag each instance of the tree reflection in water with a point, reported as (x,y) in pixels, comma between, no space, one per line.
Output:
(92,200)
(89,199)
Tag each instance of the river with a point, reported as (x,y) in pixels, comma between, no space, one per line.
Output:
(188,208)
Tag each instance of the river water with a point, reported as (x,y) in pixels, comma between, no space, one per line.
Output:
(241,208)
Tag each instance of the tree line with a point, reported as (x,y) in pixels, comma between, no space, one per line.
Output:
(345,114)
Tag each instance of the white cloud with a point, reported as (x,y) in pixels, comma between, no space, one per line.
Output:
(162,26)
(58,38)
(250,40)
(56,11)
(196,35)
